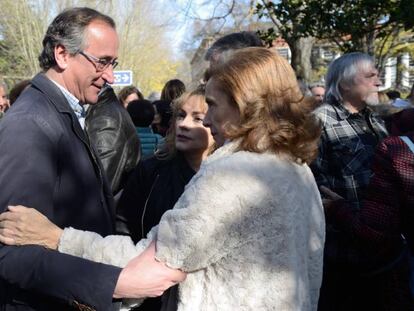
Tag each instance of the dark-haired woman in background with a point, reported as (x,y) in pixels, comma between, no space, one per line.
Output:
(172,90)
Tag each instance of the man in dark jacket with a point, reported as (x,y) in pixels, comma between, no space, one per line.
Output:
(111,131)
(48,164)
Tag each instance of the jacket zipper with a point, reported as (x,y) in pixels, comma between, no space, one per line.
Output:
(145,206)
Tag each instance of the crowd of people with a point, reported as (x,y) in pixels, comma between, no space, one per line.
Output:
(250,191)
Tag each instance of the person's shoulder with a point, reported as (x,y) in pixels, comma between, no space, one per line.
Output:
(151,166)
(31,108)
(110,111)
(230,155)
(246,162)
(326,113)
(395,149)
(325,108)
(396,141)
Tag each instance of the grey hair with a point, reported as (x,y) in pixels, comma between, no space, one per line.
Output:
(317,84)
(343,71)
(68,30)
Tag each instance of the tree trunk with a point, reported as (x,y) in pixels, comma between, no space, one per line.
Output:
(369,43)
(301,50)
(399,72)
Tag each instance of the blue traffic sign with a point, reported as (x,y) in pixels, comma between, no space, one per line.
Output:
(122,78)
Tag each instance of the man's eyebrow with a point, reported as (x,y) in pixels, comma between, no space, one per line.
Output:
(107,57)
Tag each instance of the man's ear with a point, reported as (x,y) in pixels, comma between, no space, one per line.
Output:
(61,56)
(344,86)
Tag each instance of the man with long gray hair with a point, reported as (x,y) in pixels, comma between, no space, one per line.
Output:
(48,164)
(349,137)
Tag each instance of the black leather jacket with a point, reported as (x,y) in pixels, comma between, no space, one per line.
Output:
(111,131)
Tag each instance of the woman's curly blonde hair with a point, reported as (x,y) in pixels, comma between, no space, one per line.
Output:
(274,114)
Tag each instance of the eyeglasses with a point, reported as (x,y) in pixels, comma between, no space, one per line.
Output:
(100,63)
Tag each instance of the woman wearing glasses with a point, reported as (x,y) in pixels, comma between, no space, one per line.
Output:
(249,227)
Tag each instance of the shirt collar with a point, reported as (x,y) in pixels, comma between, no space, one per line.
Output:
(74,103)
(344,113)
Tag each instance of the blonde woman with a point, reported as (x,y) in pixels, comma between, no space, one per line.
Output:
(158,182)
(249,227)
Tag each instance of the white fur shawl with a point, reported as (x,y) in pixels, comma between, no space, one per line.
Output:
(249,229)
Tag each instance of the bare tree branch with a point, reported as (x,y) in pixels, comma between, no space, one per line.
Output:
(272,17)
(228,12)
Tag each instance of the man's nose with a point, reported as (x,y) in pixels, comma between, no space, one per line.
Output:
(206,121)
(108,75)
(378,82)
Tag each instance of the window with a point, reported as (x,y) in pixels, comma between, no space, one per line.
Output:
(284,52)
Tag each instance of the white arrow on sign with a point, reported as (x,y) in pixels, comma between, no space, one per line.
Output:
(122,78)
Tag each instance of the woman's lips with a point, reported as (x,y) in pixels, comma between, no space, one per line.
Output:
(183,137)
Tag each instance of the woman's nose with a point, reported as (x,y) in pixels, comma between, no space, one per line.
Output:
(184,122)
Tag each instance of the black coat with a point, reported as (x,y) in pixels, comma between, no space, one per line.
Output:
(46,163)
(111,131)
(153,188)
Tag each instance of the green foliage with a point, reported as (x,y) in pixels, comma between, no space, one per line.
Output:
(268,36)
(381,28)
(351,24)
(145,47)
(287,16)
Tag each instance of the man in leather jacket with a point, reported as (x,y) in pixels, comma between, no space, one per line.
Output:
(111,131)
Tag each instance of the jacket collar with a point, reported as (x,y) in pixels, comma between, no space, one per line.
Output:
(47,87)
(227,149)
(58,100)
(343,113)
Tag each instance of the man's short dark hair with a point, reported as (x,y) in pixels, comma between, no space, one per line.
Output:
(234,41)
(142,112)
(68,29)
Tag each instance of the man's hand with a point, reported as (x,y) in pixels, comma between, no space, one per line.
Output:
(144,276)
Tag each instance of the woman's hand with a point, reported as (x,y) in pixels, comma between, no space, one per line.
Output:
(21,226)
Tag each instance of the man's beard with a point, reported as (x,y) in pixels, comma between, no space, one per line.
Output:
(372,99)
